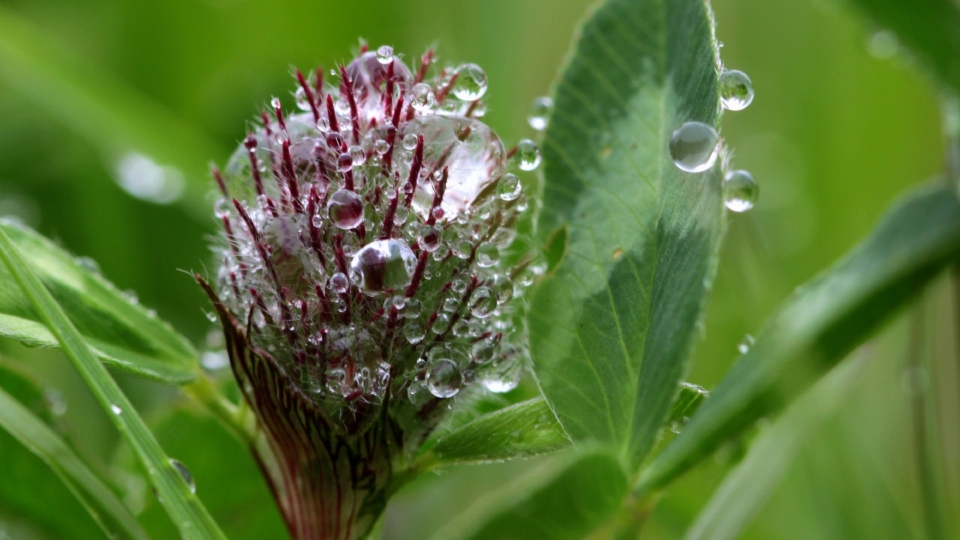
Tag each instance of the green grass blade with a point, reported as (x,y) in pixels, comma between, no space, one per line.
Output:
(109,513)
(123,334)
(614,324)
(520,431)
(929,28)
(184,508)
(747,488)
(820,324)
(110,115)
(563,500)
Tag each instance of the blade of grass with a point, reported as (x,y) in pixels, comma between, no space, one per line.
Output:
(104,507)
(109,114)
(184,508)
(820,325)
(747,488)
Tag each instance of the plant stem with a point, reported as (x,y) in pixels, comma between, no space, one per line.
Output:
(633,517)
(922,404)
(205,394)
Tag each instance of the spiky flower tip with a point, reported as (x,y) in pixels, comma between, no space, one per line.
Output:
(362,284)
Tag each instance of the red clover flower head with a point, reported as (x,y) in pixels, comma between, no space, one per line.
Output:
(362,282)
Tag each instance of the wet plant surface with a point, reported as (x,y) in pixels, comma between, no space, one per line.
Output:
(408,318)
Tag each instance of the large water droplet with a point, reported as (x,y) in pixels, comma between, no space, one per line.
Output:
(483,303)
(345,162)
(345,209)
(444,379)
(736,90)
(414,332)
(384,54)
(539,112)
(694,147)
(383,265)
(422,97)
(429,238)
(509,187)
(503,378)
(740,191)
(184,473)
(487,255)
(476,159)
(529,155)
(340,283)
(471,83)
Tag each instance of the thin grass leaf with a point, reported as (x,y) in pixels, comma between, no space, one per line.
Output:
(821,324)
(613,325)
(110,115)
(104,507)
(520,431)
(122,333)
(747,488)
(928,28)
(563,500)
(184,508)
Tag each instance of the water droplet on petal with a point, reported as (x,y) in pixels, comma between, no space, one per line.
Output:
(429,238)
(414,332)
(441,324)
(509,187)
(340,283)
(471,83)
(444,379)
(529,155)
(381,146)
(383,265)
(184,473)
(503,378)
(410,141)
(740,191)
(487,255)
(736,90)
(345,162)
(345,209)
(539,112)
(483,303)
(694,147)
(384,54)
(422,97)
(357,155)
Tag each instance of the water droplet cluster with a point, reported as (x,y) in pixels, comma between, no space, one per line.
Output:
(695,146)
(363,235)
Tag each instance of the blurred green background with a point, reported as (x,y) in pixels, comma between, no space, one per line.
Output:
(841,124)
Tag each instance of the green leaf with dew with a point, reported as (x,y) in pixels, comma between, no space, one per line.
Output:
(928,28)
(123,334)
(614,324)
(519,431)
(185,509)
(822,322)
(36,435)
(747,488)
(563,500)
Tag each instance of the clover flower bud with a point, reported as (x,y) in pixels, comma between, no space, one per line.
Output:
(361,284)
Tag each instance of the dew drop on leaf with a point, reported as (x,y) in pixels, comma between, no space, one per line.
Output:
(740,191)
(736,90)
(694,147)
(185,473)
(444,379)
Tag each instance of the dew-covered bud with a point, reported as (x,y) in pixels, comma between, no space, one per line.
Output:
(361,285)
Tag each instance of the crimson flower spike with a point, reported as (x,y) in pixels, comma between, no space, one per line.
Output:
(347,88)
(308,95)
(325,323)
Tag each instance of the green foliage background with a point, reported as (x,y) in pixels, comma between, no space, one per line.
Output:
(834,134)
